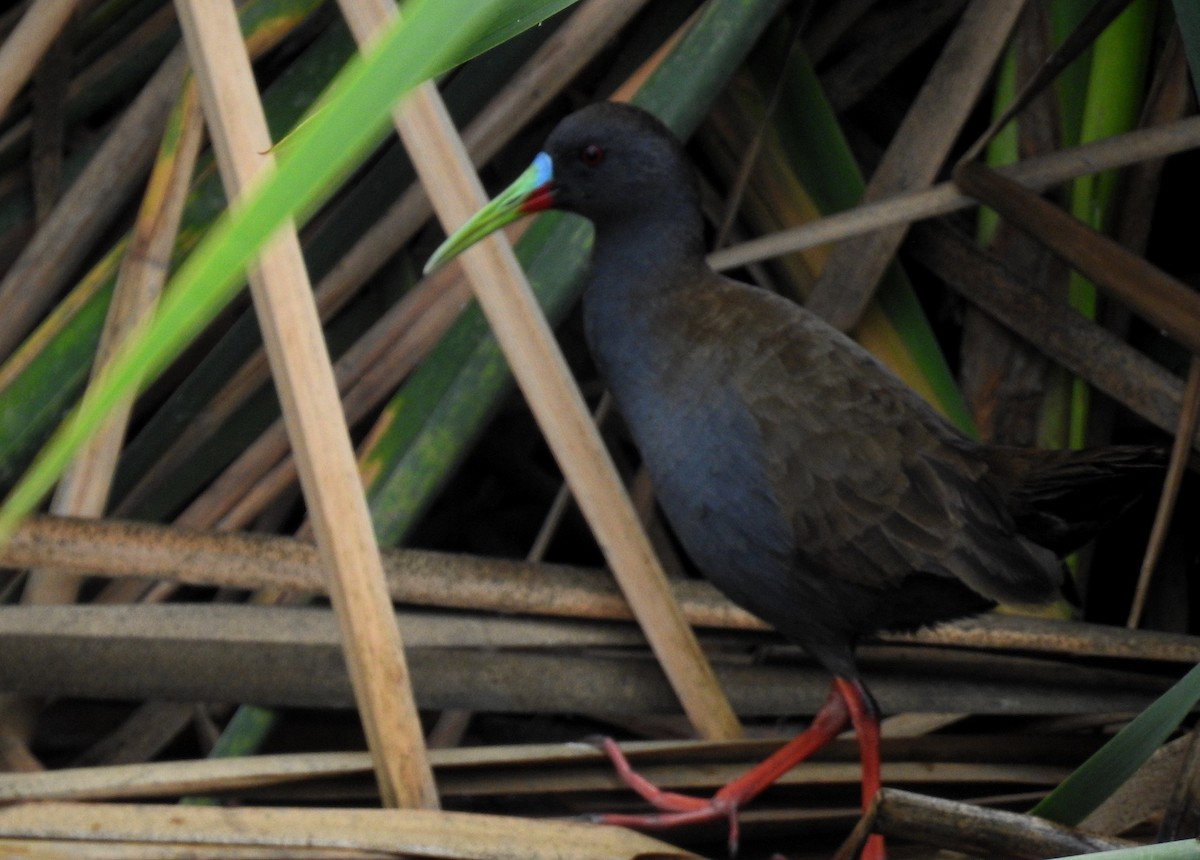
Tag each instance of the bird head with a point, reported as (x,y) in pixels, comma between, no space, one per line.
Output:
(606,162)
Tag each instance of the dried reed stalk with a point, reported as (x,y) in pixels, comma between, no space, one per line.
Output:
(304,379)
(254,561)
(941,199)
(84,487)
(974,830)
(265,469)
(84,212)
(24,47)
(443,164)
(425,833)
(915,154)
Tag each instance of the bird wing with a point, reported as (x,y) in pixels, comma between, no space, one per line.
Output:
(874,483)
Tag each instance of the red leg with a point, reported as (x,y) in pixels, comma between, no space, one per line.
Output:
(828,722)
(680,809)
(864,714)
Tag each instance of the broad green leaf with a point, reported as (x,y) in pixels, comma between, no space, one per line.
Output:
(352,120)
(519,16)
(42,380)
(1108,769)
(1112,105)
(327,241)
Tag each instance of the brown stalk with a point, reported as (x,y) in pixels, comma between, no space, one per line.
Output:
(915,154)
(308,395)
(976,830)
(52,849)
(529,769)
(253,561)
(905,207)
(49,94)
(85,210)
(1157,297)
(541,371)
(84,487)
(547,72)
(888,36)
(427,833)
(1181,448)
(1129,377)
(29,40)
(291,656)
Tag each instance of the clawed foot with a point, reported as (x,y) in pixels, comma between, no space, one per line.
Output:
(676,809)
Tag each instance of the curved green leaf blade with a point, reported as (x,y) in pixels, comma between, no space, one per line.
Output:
(1183,849)
(43,379)
(1108,769)
(519,16)
(352,119)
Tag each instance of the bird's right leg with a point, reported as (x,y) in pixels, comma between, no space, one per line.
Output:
(678,809)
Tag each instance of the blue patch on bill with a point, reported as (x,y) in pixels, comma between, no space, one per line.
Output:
(543,169)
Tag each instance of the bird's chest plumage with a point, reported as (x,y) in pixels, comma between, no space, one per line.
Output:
(676,381)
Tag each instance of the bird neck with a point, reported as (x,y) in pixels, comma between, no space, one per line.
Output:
(640,276)
(637,259)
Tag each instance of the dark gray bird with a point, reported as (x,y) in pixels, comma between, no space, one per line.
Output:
(805,481)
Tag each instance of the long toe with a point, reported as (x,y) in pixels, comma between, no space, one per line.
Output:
(712,810)
(667,801)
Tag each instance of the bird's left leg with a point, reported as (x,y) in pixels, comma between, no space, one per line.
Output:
(864,715)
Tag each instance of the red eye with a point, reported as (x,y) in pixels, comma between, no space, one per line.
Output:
(591,155)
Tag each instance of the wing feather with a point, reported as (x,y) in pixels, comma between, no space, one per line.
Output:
(875,484)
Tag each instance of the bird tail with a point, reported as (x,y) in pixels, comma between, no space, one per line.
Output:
(1062,499)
